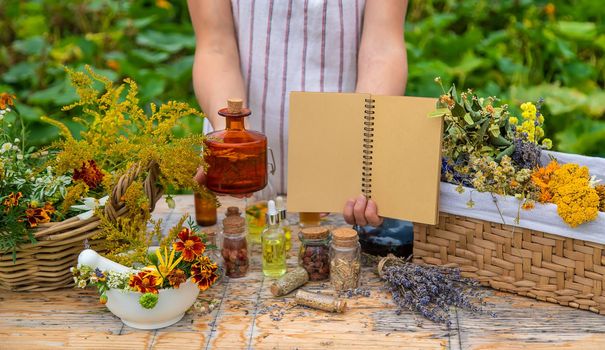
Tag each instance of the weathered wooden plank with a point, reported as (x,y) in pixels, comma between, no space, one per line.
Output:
(523,323)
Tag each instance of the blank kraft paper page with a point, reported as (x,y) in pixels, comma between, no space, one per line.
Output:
(406,158)
(324,150)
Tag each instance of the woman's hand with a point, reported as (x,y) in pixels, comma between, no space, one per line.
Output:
(361,211)
(200,177)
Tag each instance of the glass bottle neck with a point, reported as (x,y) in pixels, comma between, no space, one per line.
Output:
(235,123)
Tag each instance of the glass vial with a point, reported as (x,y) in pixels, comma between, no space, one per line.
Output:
(214,252)
(235,247)
(314,253)
(273,244)
(284,222)
(345,259)
(205,208)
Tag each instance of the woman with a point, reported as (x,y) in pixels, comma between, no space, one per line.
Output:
(263,49)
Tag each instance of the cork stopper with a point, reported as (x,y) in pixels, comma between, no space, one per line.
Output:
(232,211)
(344,237)
(234,223)
(235,105)
(210,235)
(318,232)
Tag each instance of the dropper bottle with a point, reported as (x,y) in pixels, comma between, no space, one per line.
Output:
(273,244)
(284,222)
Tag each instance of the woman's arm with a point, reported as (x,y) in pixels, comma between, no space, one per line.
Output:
(382,65)
(216,67)
(382,69)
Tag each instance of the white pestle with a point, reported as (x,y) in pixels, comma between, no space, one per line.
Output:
(91,258)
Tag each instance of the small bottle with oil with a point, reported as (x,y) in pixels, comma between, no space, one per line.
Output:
(309,219)
(273,244)
(284,223)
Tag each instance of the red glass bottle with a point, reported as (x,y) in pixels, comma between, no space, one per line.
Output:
(236,157)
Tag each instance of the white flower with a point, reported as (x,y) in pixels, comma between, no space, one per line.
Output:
(593,181)
(17,140)
(90,204)
(8,109)
(2,112)
(6,147)
(20,156)
(82,283)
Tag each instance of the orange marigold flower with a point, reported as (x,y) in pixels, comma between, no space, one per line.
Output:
(48,207)
(90,174)
(143,282)
(6,100)
(190,245)
(12,200)
(204,272)
(176,277)
(35,216)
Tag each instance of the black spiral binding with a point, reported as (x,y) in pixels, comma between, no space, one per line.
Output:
(368,139)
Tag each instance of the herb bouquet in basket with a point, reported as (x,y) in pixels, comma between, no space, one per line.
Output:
(532,221)
(105,184)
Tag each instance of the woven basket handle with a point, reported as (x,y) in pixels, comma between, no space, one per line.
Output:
(116,207)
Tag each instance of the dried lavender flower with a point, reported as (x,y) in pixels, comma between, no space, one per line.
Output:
(430,290)
(526,154)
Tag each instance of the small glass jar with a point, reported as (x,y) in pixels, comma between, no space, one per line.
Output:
(345,259)
(213,251)
(314,252)
(205,208)
(235,247)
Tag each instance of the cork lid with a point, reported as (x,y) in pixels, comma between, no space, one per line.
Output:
(234,223)
(235,108)
(232,211)
(210,235)
(235,105)
(318,232)
(344,237)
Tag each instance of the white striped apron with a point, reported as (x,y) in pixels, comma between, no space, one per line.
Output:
(294,45)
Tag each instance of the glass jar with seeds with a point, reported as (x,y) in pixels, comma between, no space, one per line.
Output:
(314,253)
(345,259)
(235,247)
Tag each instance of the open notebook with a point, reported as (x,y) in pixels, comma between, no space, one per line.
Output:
(344,144)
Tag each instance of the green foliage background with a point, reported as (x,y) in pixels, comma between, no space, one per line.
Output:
(516,49)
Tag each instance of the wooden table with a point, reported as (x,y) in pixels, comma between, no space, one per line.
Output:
(248,317)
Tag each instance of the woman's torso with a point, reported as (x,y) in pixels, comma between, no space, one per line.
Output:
(294,45)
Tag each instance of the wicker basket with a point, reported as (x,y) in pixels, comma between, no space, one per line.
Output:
(45,265)
(543,266)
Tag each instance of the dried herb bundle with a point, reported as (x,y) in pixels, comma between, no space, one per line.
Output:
(430,290)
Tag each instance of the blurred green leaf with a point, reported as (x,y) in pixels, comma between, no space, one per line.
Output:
(149,56)
(20,72)
(31,46)
(169,42)
(577,30)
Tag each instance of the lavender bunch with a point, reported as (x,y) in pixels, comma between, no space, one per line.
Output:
(430,290)
(526,154)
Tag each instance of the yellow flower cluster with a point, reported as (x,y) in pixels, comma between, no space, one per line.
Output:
(531,127)
(576,201)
